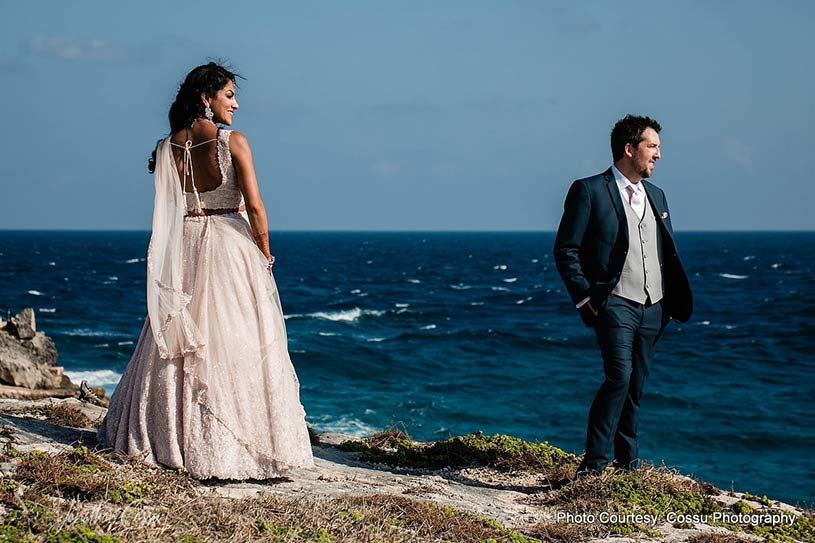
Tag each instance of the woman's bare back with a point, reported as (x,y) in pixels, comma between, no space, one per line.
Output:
(204,153)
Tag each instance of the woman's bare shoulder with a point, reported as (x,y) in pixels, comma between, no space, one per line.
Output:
(239,144)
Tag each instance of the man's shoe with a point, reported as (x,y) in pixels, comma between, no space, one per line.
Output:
(633,465)
(584,470)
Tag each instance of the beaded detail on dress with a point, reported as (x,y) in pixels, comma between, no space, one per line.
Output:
(227,195)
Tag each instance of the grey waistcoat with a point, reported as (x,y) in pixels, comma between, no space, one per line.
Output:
(641,277)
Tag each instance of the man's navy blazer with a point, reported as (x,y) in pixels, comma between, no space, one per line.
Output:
(592,243)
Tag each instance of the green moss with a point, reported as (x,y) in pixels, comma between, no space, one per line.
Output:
(511,536)
(270,528)
(803,529)
(630,494)
(353,445)
(492,523)
(12,534)
(741,506)
(320,535)
(130,492)
(448,511)
(352,514)
(79,535)
(499,451)
(763,500)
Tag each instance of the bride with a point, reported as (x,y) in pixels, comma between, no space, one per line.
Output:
(210,387)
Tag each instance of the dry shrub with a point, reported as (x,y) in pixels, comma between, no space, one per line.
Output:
(66,415)
(83,474)
(162,505)
(283,519)
(563,532)
(718,537)
(597,493)
(648,490)
(57,413)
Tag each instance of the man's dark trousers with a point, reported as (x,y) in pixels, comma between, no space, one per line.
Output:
(627,333)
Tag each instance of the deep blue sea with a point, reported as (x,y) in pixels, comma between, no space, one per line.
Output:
(447,333)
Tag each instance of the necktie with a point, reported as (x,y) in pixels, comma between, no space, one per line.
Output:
(636,200)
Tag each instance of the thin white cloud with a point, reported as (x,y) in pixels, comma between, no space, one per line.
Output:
(739,152)
(74,49)
(386,168)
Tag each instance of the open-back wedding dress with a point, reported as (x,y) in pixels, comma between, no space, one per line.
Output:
(210,387)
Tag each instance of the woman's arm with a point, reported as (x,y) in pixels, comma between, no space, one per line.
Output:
(248,183)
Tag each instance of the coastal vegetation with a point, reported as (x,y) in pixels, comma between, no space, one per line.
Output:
(73,494)
(501,452)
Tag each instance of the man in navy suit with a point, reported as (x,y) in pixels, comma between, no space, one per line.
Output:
(615,251)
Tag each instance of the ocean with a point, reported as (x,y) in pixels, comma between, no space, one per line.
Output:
(442,334)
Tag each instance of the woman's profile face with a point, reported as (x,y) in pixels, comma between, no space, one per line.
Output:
(224,104)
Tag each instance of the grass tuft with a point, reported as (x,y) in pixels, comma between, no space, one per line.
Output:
(57,413)
(502,452)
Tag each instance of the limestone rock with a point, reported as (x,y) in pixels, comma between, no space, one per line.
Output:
(24,324)
(28,358)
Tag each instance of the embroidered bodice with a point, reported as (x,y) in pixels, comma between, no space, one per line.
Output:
(227,195)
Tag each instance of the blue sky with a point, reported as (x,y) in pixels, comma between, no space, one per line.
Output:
(374,115)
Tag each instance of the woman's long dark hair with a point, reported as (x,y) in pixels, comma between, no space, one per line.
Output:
(207,78)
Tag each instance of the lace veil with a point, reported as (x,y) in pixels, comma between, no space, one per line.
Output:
(174,330)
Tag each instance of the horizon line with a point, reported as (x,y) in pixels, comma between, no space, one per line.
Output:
(400,231)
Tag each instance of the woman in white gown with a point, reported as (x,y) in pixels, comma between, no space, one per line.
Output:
(210,387)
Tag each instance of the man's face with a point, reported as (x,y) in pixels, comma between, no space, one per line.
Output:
(645,155)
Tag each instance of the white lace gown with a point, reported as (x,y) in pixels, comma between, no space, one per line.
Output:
(231,409)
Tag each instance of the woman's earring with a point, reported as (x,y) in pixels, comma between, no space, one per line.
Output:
(208,113)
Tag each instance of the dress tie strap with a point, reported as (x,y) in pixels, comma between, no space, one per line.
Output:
(188,171)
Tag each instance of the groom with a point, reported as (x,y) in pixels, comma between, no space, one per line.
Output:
(615,251)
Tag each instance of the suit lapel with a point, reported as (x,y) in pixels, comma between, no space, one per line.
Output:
(656,205)
(616,200)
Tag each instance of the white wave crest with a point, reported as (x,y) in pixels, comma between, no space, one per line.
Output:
(35,292)
(414,281)
(375,339)
(348,315)
(124,343)
(500,267)
(327,334)
(48,310)
(732,276)
(342,425)
(428,327)
(500,289)
(52,263)
(86,332)
(95,378)
(133,260)
(402,305)
(510,279)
